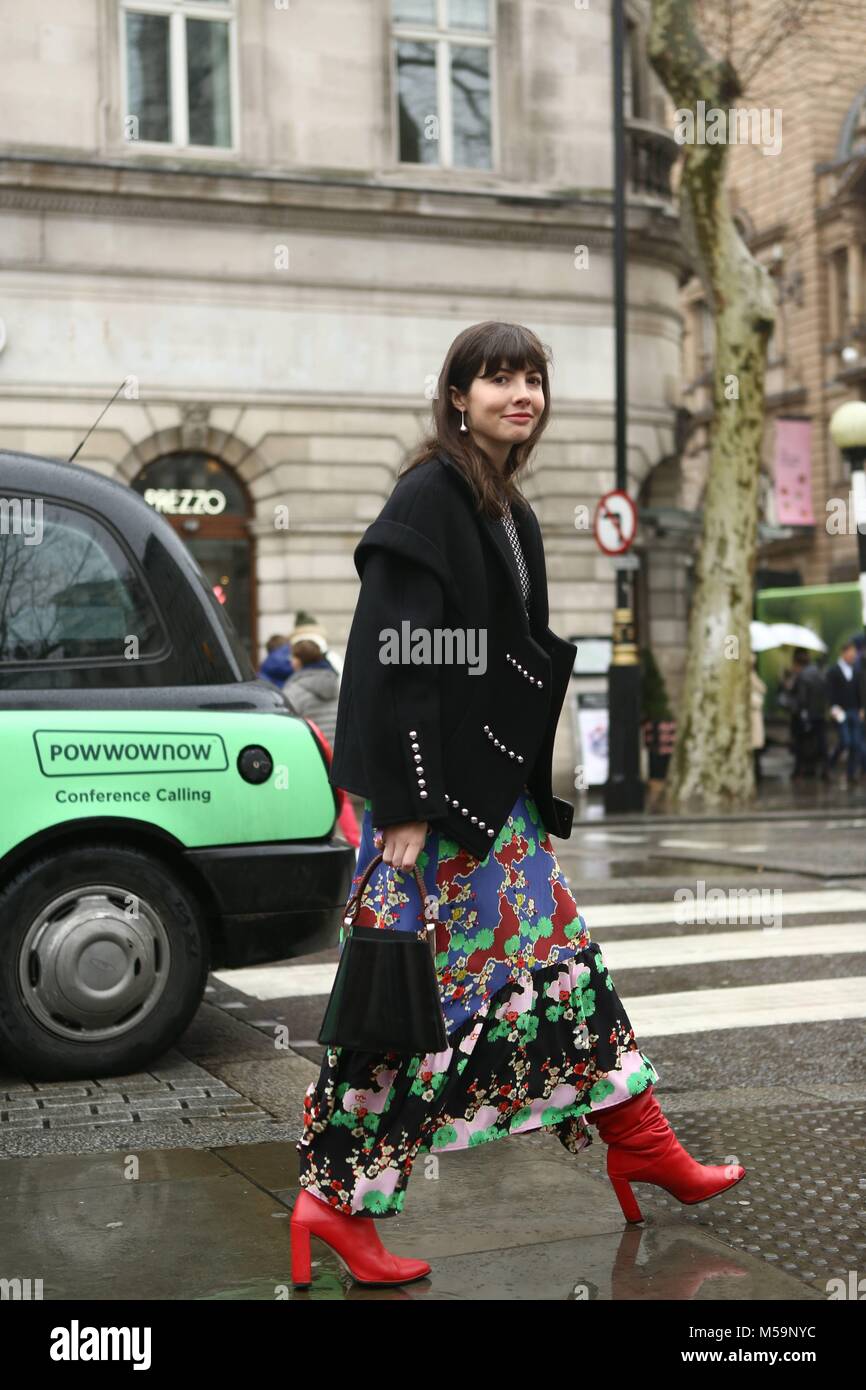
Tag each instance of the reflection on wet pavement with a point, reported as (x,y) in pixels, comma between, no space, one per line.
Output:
(591,865)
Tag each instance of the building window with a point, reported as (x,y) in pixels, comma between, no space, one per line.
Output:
(692,342)
(178,73)
(632,72)
(775,344)
(443,81)
(773,353)
(707,339)
(839,293)
(698,340)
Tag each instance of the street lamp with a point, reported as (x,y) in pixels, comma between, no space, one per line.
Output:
(848,432)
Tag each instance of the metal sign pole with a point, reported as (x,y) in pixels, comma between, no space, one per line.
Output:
(624,790)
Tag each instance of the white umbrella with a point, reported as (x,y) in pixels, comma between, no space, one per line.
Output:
(765,636)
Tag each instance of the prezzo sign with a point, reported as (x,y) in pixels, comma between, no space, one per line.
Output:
(186,501)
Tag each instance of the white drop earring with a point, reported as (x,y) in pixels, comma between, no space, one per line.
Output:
(463,428)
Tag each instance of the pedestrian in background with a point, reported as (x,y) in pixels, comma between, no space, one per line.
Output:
(860,673)
(787,699)
(845,693)
(312,690)
(313,687)
(810,710)
(277,665)
(759,739)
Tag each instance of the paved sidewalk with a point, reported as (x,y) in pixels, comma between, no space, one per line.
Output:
(177,1205)
(512,1220)
(776,797)
(178,1183)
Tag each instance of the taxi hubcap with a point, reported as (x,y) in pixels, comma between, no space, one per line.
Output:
(94,963)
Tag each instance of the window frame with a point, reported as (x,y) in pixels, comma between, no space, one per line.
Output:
(777,337)
(841,297)
(177,12)
(443,37)
(96,519)
(629,102)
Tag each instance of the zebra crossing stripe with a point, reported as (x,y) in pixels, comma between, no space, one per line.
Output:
(749,1006)
(822,900)
(280,981)
(834,938)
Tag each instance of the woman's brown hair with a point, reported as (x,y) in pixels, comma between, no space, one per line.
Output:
(483,350)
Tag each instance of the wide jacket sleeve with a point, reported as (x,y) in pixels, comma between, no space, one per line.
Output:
(396,685)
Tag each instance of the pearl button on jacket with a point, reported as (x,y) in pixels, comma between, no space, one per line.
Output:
(451,691)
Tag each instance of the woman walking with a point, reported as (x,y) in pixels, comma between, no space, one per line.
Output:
(451,692)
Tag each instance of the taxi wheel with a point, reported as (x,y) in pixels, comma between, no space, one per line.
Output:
(103,962)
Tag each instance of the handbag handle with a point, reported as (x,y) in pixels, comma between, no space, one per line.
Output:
(427,913)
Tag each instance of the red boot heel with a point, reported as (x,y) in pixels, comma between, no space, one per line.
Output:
(627,1200)
(642,1147)
(353,1239)
(301,1263)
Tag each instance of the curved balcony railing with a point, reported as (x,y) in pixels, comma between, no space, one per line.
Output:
(650,154)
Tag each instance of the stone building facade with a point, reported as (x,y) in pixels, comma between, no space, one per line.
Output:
(802,212)
(263,223)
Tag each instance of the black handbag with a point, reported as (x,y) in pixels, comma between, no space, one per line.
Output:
(385,996)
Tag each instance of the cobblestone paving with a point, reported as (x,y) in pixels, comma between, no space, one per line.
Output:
(190,1094)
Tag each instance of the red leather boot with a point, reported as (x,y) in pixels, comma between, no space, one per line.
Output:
(353,1239)
(642,1147)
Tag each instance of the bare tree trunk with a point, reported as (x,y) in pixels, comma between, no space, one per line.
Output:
(712,760)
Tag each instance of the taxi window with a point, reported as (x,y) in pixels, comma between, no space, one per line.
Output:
(68,592)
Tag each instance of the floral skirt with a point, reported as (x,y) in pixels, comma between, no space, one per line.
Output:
(537,1037)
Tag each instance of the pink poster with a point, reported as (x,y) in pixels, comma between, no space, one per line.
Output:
(793,473)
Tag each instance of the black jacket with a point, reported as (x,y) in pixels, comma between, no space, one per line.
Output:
(810,692)
(428,740)
(848,694)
